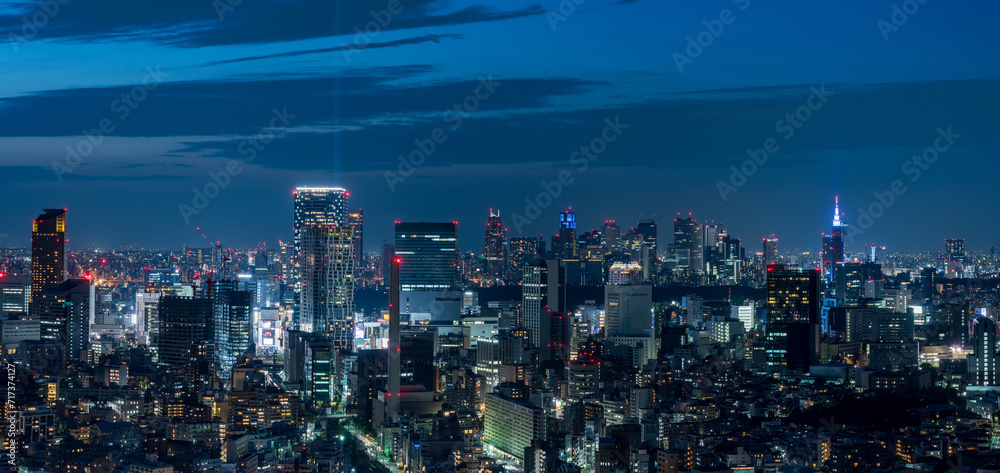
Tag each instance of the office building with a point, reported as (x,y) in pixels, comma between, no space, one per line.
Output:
(66,311)
(326,304)
(512,425)
(320,206)
(48,251)
(428,255)
(543,292)
(954,250)
(564,244)
(983,361)
(15,294)
(233,338)
(356,220)
(185,329)
(833,244)
(521,252)
(494,249)
(611,236)
(793,306)
(850,280)
(770,250)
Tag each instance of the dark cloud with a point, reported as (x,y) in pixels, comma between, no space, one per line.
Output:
(436,38)
(197,23)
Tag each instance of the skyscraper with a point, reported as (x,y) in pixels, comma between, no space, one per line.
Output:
(48,251)
(954,249)
(429,255)
(65,311)
(611,236)
(770,250)
(543,292)
(687,249)
(494,249)
(319,206)
(647,228)
(327,273)
(833,243)
(793,306)
(185,328)
(233,327)
(983,362)
(564,245)
(356,220)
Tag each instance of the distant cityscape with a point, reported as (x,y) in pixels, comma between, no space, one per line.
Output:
(608,350)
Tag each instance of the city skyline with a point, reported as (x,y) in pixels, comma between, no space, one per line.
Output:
(209,88)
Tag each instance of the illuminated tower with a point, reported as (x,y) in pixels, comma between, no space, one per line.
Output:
(494,249)
(564,243)
(327,276)
(955,250)
(770,250)
(356,220)
(48,252)
(836,252)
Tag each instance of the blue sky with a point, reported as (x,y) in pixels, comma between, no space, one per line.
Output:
(350,109)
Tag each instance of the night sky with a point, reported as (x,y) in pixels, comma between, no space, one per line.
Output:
(287,93)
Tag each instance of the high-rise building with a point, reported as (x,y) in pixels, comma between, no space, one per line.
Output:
(429,255)
(793,307)
(647,228)
(954,249)
(770,250)
(511,425)
(850,280)
(628,310)
(324,206)
(687,248)
(494,249)
(543,292)
(185,330)
(233,337)
(564,244)
(48,251)
(15,294)
(388,251)
(521,252)
(983,369)
(65,312)
(833,243)
(611,236)
(356,220)
(326,305)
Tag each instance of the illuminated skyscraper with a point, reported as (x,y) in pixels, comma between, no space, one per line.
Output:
(48,251)
(983,369)
(319,206)
(494,250)
(564,245)
(686,249)
(327,274)
(65,311)
(770,251)
(954,249)
(611,236)
(833,244)
(521,252)
(543,292)
(429,256)
(793,306)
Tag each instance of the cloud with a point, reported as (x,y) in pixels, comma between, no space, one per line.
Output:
(388,44)
(198,23)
